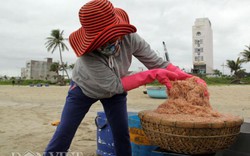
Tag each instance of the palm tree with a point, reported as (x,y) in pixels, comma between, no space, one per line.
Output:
(246,54)
(56,41)
(235,66)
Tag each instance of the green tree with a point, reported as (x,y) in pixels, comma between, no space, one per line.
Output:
(246,54)
(56,67)
(217,72)
(56,40)
(71,66)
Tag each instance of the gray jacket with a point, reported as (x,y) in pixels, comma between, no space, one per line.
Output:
(99,76)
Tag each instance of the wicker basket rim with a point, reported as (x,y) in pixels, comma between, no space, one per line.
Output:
(195,136)
(160,119)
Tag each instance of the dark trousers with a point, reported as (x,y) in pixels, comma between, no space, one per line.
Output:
(76,106)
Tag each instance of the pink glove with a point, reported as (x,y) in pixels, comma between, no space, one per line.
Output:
(181,74)
(200,81)
(133,81)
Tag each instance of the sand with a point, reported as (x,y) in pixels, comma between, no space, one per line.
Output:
(26,114)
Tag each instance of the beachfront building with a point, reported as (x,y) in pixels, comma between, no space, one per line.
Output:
(38,70)
(202,46)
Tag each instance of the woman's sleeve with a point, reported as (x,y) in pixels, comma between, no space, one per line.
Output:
(143,52)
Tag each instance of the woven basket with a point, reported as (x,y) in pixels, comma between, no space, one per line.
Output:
(188,137)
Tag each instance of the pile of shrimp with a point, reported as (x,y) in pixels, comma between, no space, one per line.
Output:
(187,97)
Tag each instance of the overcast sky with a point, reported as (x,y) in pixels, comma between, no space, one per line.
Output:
(26,24)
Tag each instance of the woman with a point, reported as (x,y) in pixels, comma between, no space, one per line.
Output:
(104,45)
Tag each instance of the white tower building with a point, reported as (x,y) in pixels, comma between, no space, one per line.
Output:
(38,70)
(202,46)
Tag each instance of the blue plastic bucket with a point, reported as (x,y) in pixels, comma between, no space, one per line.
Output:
(105,142)
(139,142)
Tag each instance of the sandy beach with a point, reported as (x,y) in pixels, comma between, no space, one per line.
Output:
(26,114)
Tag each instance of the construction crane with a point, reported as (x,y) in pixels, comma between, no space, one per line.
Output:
(165,51)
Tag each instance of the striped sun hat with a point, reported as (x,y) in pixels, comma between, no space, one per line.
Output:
(100,22)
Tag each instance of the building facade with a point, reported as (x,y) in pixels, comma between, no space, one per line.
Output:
(38,70)
(202,40)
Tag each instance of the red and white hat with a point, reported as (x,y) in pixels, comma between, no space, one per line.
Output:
(100,22)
